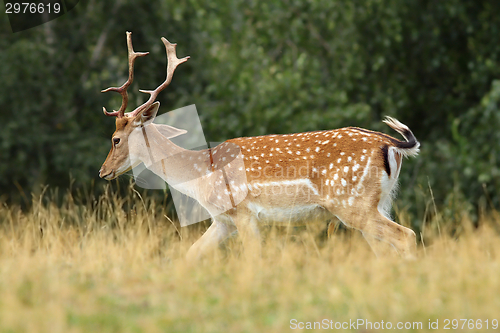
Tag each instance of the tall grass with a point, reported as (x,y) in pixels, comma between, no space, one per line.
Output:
(116,264)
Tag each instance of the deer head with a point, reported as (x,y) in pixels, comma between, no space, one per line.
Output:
(129,142)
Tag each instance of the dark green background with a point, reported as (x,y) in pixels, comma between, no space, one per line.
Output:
(262,67)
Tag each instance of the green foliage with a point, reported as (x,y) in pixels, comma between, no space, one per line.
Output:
(475,145)
(263,67)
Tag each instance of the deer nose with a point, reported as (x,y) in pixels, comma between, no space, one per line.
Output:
(100,173)
(105,175)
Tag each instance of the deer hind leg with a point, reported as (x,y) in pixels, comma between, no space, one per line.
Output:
(380,232)
(210,240)
(378,228)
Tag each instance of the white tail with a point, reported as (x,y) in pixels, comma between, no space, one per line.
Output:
(350,173)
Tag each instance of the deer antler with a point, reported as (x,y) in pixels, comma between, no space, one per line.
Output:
(173,62)
(132,55)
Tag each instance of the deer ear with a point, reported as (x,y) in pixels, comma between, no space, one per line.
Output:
(169,131)
(147,116)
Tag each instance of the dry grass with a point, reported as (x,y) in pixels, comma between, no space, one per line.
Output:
(100,267)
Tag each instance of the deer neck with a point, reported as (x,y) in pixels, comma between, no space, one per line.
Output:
(175,165)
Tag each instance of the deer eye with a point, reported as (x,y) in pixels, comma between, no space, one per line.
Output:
(116,141)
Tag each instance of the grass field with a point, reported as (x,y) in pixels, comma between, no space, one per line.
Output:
(116,265)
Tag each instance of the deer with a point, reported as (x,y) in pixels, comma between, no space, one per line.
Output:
(280,179)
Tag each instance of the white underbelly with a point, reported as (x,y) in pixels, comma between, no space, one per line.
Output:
(282,216)
(290,215)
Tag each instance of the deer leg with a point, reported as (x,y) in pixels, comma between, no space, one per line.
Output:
(249,234)
(214,235)
(380,228)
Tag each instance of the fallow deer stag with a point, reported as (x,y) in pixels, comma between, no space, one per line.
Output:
(350,173)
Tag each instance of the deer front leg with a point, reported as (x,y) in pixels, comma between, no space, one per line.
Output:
(249,233)
(210,240)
